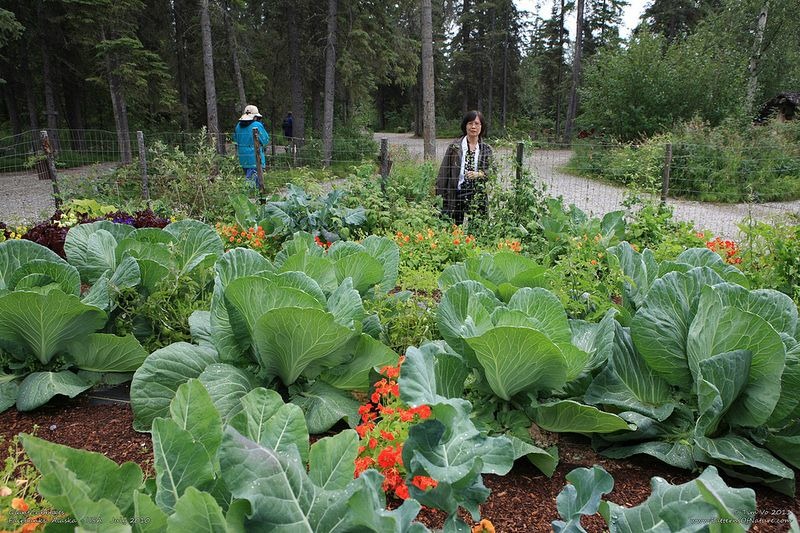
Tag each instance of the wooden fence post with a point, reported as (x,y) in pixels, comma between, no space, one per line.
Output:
(51,166)
(665,173)
(520,154)
(143,165)
(384,163)
(259,169)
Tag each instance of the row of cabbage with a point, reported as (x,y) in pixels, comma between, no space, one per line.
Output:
(696,368)
(270,318)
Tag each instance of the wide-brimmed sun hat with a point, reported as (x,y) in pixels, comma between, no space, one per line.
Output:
(250,113)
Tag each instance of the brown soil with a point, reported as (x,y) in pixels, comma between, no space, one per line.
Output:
(522,501)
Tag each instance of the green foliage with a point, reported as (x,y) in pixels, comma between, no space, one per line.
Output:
(649,87)
(326,217)
(514,211)
(736,163)
(406,204)
(771,256)
(650,225)
(408,319)
(585,278)
(161,317)
(19,481)
(297,325)
(449,448)
(426,251)
(726,163)
(690,506)
(197,184)
(222,474)
(551,352)
(694,329)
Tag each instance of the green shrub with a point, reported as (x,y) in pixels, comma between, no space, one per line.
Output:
(728,163)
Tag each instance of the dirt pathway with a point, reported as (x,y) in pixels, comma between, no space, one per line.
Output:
(598,198)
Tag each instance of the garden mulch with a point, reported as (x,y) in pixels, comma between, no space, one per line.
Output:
(524,500)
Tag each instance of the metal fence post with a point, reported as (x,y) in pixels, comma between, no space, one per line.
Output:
(665,173)
(51,166)
(384,163)
(259,169)
(143,165)
(520,154)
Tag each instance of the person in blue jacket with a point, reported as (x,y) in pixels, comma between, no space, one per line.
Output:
(243,137)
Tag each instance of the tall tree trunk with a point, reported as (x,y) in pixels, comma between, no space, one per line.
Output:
(490,107)
(330,84)
(11,102)
(296,74)
(576,74)
(73,96)
(208,73)
(30,95)
(428,91)
(468,74)
(237,69)
(119,107)
(755,58)
(560,78)
(505,84)
(49,75)
(180,56)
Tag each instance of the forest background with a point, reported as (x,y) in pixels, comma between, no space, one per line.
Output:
(350,66)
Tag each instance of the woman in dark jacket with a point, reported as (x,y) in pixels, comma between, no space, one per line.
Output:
(462,176)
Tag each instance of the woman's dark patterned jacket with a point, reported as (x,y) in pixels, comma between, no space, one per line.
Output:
(447,180)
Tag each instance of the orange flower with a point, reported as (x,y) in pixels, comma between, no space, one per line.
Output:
(19,504)
(424,482)
(456,242)
(485,526)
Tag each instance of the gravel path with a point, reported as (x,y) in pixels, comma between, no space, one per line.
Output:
(598,198)
(25,199)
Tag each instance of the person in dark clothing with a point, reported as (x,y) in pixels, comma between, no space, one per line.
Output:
(288,133)
(462,174)
(288,123)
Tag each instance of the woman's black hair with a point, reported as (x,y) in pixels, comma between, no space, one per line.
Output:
(469,117)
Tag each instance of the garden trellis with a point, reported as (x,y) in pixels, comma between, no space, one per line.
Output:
(598,180)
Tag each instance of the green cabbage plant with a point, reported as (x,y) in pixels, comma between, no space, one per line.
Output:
(522,362)
(708,372)
(253,472)
(706,503)
(48,332)
(297,325)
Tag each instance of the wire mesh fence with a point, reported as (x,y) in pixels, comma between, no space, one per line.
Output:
(702,183)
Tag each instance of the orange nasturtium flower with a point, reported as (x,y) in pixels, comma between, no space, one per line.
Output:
(20,505)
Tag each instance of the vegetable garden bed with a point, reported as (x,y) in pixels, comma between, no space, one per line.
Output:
(262,355)
(524,500)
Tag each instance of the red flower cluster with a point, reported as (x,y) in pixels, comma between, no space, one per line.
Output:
(321,243)
(385,421)
(727,249)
